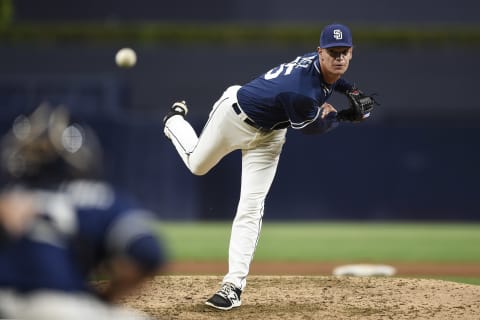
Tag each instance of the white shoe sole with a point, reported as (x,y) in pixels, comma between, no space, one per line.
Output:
(238,304)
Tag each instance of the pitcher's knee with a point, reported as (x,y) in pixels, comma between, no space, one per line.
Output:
(198,170)
(251,208)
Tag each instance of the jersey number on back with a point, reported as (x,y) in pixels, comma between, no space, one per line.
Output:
(286,68)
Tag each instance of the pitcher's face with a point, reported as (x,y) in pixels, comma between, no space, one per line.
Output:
(334,61)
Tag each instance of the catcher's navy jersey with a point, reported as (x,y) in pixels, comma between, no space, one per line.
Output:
(77,228)
(290,95)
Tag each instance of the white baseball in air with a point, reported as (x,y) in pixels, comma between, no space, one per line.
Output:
(126,58)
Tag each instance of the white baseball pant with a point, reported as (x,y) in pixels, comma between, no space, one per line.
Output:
(44,304)
(224,132)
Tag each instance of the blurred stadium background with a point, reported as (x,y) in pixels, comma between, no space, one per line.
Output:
(416,159)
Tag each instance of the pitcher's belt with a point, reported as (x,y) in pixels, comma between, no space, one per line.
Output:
(247,120)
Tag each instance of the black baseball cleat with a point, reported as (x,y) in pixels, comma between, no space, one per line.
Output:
(178,108)
(226,298)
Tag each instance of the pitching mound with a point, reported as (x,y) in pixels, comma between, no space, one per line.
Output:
(311,297)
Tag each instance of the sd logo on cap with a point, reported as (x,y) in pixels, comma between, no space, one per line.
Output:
(336,35)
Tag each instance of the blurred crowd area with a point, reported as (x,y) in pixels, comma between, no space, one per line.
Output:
(416,158)
(371,11)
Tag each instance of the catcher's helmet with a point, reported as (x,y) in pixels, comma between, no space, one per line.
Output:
(46,148)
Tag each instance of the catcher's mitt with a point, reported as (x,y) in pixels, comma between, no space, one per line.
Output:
(360,106)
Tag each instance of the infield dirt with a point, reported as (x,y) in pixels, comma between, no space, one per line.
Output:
(310,297)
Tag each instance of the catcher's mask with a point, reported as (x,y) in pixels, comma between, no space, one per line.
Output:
(45,148)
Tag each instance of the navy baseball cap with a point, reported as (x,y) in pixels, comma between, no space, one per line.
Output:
(336,35)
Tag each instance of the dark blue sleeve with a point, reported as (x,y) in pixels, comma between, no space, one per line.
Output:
(131,234)
(322,125)
(148,252)
(121,229)
(305,114)
(343,86)
(301,110)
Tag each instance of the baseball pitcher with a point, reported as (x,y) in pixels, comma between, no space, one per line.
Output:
(254,119)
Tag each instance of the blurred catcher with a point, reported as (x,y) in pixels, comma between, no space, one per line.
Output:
(59,223)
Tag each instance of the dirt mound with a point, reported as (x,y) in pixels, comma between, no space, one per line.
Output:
(311,297)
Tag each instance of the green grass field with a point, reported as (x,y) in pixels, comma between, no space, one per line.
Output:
(329,241)
(333,242)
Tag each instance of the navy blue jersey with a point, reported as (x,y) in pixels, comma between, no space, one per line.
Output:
(76,229)
(290,95)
